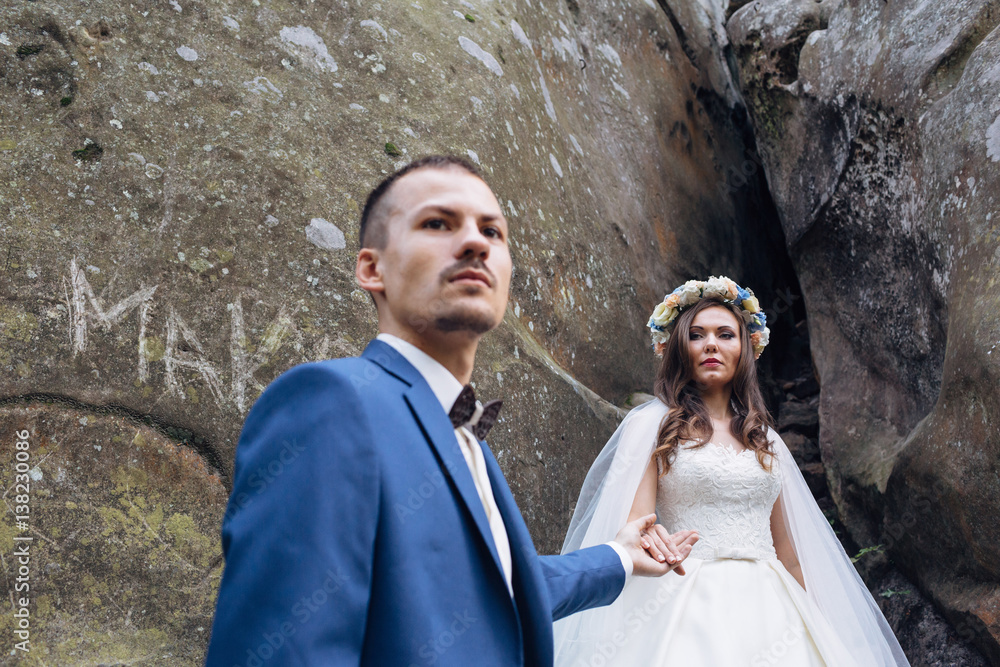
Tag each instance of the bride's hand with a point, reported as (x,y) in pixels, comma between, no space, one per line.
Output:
(647,544)
(657,541)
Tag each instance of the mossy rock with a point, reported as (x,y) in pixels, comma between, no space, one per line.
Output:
(126,558)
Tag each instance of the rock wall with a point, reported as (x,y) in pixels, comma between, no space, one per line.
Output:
(180,202)
(879,128)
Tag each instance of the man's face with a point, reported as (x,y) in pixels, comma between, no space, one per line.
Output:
(446,266)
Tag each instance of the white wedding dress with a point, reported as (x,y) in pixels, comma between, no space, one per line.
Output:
(737,604)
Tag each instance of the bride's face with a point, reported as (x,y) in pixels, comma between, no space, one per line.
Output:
(714,346)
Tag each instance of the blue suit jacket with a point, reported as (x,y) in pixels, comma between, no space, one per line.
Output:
(354,535)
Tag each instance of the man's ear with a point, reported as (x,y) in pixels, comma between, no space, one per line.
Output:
(368,270)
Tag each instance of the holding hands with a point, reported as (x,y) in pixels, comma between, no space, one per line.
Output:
(655,552)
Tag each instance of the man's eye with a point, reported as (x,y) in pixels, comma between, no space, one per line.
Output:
(434,223)
(493,232)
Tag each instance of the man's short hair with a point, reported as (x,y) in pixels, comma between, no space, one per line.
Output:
(373,229)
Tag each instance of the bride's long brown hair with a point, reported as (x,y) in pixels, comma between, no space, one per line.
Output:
(687,418)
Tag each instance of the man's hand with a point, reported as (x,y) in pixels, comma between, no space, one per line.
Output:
(654,552)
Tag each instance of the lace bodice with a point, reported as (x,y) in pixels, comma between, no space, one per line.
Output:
(726,496)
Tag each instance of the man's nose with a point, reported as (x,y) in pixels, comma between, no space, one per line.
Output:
(472,242)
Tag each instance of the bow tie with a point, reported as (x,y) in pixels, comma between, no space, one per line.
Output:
(467,411)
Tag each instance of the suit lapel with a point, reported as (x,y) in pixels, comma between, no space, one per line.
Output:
(439,432)
(530,598)
(522,549)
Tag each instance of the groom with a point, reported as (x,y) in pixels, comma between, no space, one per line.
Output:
(390,536)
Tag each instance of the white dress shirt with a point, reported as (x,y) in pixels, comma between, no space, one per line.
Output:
(446,388)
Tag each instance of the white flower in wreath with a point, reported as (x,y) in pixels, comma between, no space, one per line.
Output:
(689,293)
(663,315)
(717,287)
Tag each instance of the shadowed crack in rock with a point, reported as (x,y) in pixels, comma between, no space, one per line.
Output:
(951,67)
(181,435)
(686,47)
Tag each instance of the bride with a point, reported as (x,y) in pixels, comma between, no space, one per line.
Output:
(768,583)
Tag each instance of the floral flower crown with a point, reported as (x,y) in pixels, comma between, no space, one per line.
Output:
(664,318)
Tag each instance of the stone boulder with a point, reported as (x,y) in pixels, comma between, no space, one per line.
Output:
(879,128)
(121,538)
(182,195)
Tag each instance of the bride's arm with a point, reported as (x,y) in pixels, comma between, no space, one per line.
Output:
(645,496)
(657,541)
(783,545)
(644,504)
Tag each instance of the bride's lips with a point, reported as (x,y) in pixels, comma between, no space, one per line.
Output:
(711,361)
(471,276)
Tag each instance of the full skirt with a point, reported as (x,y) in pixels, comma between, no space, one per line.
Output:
(722,613)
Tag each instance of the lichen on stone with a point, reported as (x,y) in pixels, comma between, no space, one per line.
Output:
(26,50)
(89,153)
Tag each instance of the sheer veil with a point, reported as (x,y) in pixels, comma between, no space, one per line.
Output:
(831,580)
